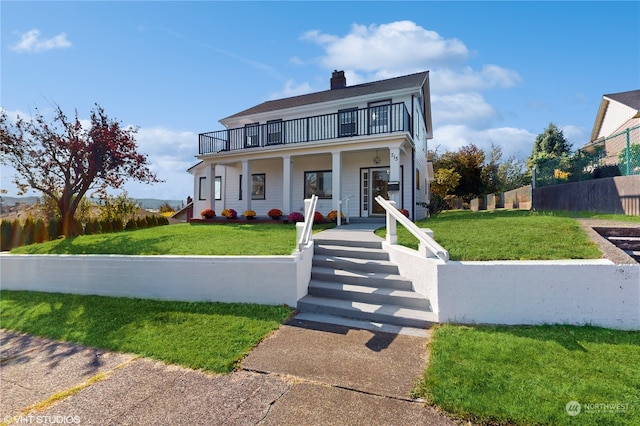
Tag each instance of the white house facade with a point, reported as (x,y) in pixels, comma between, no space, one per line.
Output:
(347,145)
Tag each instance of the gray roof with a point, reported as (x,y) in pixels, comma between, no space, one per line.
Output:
(396,83)
(630,99)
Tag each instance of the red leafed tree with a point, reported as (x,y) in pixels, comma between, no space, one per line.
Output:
(64,161)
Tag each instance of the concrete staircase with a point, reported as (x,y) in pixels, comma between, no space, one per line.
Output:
(626,239)
(354,280)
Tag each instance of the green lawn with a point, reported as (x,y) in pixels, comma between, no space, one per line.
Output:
(505,235)
(526,375)
(181,239)
(207,336)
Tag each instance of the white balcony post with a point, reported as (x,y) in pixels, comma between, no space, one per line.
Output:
(246,184)
(394,171)
(286,184)
(211,178)
(392,236)
(335,183)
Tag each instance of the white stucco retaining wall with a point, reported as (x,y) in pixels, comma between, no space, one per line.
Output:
(579,292)
(271,280)
(576,292)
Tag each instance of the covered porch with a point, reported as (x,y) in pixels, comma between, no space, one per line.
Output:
(345,176)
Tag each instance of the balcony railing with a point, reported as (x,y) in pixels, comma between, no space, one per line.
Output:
(345,123)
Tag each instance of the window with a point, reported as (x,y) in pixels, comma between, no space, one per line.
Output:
(348,122)
(417,179)
(202,188)
(257,187)
(318,183)
(240,188)
(379,117)
(252,135)
(274,132)
(218,188)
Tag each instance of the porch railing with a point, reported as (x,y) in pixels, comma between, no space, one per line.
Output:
(427,244)
(348,123)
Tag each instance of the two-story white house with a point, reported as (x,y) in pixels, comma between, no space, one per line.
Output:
(347,145)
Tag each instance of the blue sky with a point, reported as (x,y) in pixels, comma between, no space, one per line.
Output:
(500,71)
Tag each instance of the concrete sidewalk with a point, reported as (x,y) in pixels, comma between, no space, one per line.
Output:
(304,374)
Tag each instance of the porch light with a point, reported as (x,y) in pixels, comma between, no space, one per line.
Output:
(376,159)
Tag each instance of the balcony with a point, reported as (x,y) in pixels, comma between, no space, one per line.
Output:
(347,123)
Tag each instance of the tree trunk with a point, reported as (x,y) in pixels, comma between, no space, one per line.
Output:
(68,224)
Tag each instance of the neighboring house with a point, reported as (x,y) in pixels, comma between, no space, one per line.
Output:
(617,113)
(346,145)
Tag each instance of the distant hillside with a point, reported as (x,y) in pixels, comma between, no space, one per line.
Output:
(145,203)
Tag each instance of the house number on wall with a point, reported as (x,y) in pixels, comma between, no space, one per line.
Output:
(394,157)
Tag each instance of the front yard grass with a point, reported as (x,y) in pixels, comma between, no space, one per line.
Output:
(225,239)
(199,335)
(505,235)
(526,375)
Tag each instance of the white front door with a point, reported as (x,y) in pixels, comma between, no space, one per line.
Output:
(373,182)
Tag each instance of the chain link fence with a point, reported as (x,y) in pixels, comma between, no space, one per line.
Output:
(617,155)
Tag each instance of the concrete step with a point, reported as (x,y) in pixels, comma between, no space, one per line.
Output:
(626,243)
(354,264)
(622,231)
(386,314)
(363,324)
(368,294)
(362,278)
(353,252)
(348,243)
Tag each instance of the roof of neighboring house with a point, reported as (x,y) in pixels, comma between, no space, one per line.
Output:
(396,83)
(630,99)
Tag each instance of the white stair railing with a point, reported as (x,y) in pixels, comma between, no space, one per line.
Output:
(304,229)
(344,201)
(427,244)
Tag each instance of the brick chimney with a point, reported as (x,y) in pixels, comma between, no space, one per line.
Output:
(338,80)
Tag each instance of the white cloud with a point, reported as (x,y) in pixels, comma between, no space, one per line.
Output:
(462,107)
(512,141)
(447,80)
(291,88)
(393,47)
(32,43)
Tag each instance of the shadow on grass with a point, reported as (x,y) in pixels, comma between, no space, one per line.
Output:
(163,329)
(568,336)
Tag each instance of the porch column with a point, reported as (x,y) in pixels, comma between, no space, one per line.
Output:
(394,173)
(246,184)
(211,178)
(336,163)
(286,184)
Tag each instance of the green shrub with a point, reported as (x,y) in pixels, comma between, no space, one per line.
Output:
(55,228)
(28,232)
(41,233)
(117,225)
(131,225)
(106,227)
(92,227)
(6,230)
(152,221)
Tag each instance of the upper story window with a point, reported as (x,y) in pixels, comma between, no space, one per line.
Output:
(379,116)
(348,122)
(274,132)
(251,135)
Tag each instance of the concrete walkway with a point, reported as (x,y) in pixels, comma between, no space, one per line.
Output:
(303,374)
